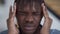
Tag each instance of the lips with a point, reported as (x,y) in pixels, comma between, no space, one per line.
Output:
(29,27)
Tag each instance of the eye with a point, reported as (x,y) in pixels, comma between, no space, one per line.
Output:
(21,13)
(36,13)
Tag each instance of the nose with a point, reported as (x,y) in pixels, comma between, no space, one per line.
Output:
(29,19)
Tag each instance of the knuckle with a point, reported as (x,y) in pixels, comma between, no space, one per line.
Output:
(9,20)
(50,19)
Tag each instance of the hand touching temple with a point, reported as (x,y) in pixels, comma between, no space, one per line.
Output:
(29,14)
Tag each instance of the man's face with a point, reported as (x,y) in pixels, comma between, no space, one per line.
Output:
(29,17)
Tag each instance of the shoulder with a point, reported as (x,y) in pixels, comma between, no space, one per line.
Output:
(54,31)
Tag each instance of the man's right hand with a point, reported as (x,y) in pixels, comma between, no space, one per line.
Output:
(12,29)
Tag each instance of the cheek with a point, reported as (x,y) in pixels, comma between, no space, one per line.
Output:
(37,19)
(20,19)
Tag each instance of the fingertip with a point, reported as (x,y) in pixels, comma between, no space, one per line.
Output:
(42,4)
(10,8)
(14,7)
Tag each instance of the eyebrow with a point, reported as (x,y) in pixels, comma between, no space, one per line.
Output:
(21,11)
(26,11)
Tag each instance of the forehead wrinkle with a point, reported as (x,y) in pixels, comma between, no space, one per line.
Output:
(27,8)
(36,7)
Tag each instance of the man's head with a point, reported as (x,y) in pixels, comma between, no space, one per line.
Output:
(29,14)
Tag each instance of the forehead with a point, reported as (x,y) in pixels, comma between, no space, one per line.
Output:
(33,6)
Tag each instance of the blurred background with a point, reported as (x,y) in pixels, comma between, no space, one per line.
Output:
(53,11)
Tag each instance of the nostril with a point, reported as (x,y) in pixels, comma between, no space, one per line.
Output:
(29,19)
(29,22)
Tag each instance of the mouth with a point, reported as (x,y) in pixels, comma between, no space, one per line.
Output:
(29,27)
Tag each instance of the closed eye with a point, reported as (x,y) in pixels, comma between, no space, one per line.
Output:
(21,13)
(36,13)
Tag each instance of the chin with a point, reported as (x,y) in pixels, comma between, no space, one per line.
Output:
(29,32)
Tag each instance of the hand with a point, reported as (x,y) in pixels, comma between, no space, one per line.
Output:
(10,21)
(47,23)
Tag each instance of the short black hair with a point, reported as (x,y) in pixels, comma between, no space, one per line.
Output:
(22,3)
(19,1)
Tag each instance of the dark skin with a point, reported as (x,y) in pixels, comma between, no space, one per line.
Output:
(29,20)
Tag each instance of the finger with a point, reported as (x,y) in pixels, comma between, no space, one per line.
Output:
(10,21)
(14,9)
(45,11)
(10,12)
